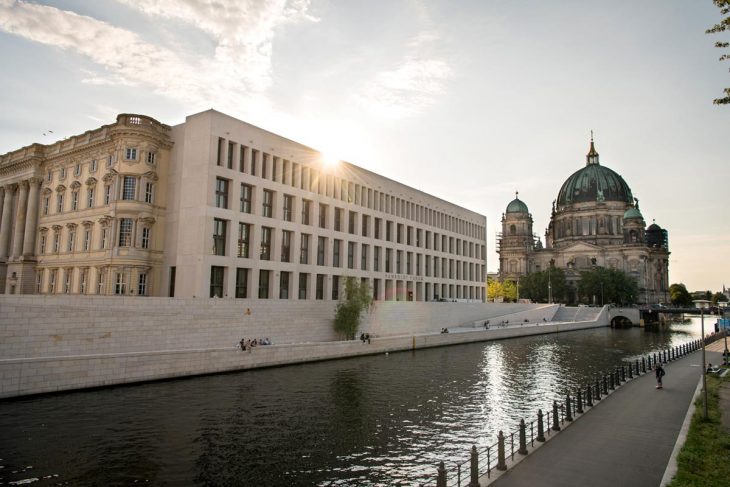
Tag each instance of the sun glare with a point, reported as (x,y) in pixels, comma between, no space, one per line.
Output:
(329,160)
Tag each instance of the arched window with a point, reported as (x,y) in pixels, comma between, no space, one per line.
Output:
(512,230)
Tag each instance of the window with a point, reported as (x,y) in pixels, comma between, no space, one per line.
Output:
(104,234)
(49,176)
(409,259)
(265,243)
(319,291)
(264,284)
(304,250)
(219,156)
(77,170)
(288,207)
(92,165)
(221,193)
(145,238)
(364,257)
(52,282)
(246,192)
(244,239)
(87,239)
(306,211)
(335,287)
(231,150)
(219,236)
(109,160)
(129,187)
(56,241)
(321,243)
(351,222)
(350,255)
(376,230)
(398,259)
(43,245)
(71,239)
(241,283)
(365,225)
(171,286)
(100,282)
(38,282)
(148,192)
(74,201)
(388,259)
(338,219)
(125,232)
(131,154)
(268,204)
(336,253)
(151,158)
(254,158)
(90,198)
(59,203)
(46,204)
(142,284)
(120,283)
(217,274)
(107,194)
(67,281)
(322,216)
(389,231)
(284,285)
(303,281)
(62,173)
(286,246)
(376,258)
(399,233)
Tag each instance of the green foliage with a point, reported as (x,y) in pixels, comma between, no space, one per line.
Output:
(534,286)
(496,290)
(356,298)
(613,285)
(510,291)
(722,26)
(703,458)
(679,296)
(718,297)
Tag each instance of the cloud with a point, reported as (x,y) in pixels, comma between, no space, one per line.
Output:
(409,88)
(239,72)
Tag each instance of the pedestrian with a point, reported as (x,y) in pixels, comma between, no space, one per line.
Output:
(659,374)
(243,344)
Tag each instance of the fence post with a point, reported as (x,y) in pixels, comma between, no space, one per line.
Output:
(501,464)
(441,478)
(665,356)
(540,427)
(623,373)
(474,467)
(611,382)
(580,402)
(556,424)
(605,385)
(589,399)
(523,439)
(598,390)
(568,408)
(631,371)
(643,365)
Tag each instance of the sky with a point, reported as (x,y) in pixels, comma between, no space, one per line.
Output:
(467,100)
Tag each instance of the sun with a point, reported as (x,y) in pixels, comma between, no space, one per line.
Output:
(329,160)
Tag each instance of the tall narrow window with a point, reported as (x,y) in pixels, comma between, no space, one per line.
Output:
(43,244)
(376,229)
(52,281)
(335,288)
(338,219)
(74,200)
(350,255)
(71,239)
(319,291)
(264,284)
(284,285)
(100,282)
(107,194)
(306,212)
(148,193)
(87,239)
(365,225)
(129,187)
(219,236)
(244,238)
(265,243)
(67,281)
(303,280)
(59,203)
(304,250)
(231,151)
(321,244)
(92,165)
(145,238)
(364,257)
(288,207)
(142,284)
(125,232)
(376,258)
(46,204)
(322,215)
(336,252)
(217,274)
(151,158)
(104,237)
(246,193)
(219,155)
(254,160)
(221,193)
(56,241)
(241,283)
(120,283)
(352,218)
(286,246)
(267,207)
(90,198)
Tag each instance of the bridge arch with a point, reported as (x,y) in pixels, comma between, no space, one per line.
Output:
(620,321)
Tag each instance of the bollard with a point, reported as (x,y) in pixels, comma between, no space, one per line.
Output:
(589,399)
(556,425)
(631,371)
(648,362)
(665,356)
(501,464)
(611,384)
(638,373)
(655,358)
(623,373)
(618,376)
(441,478)
(605,385)
(540,427)
(643,365)
(568,408)
(474,467)
(598,390)
(523,439)
(579,410)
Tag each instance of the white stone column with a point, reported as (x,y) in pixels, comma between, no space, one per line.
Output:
(20,219)
(31,219)
(6,220)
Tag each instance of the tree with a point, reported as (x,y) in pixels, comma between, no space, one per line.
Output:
(348,312)
(722,26)
(603,286)
(509,289)
(534,286)
(496,290)
(718,297)
(679,296)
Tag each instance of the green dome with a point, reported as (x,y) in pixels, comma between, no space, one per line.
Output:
(517,206)
(633,212)
(594,183)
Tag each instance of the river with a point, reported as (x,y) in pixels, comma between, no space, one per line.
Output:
(370,420)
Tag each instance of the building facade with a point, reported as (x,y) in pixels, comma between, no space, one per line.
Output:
(217,207)
(595,222)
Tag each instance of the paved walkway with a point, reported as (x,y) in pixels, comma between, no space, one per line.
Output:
(625,440)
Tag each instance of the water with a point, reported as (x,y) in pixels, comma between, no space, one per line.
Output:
(363,421)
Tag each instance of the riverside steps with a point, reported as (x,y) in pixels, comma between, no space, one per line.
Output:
(625,439)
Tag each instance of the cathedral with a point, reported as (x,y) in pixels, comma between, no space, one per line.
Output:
(595,222)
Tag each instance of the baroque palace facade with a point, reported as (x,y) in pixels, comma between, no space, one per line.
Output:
(218,207)
(595,222)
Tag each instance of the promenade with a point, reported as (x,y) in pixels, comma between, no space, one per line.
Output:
(627,439)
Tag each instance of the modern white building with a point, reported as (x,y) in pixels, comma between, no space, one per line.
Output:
(218,207)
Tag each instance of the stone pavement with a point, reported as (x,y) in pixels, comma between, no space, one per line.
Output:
(626,439)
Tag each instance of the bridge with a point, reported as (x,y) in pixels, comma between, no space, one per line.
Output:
(632,315)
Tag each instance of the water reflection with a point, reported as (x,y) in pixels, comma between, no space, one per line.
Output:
(366,421)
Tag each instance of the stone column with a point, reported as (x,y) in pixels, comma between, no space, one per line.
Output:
(31,225)
(6,220)
(20,219)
